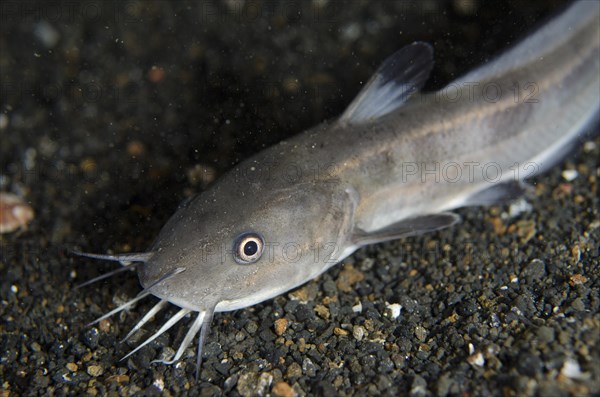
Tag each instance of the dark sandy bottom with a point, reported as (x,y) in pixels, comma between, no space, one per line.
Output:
(111,112)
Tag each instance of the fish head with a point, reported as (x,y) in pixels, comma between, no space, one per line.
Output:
(232,249)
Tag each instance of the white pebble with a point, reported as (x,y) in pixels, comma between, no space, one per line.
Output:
(518,207)
(394,308)
(570,175)
(571,369)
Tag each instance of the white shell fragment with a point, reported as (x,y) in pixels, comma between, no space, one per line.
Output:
(570,175)
(572,370)
(394,309)
(14,213)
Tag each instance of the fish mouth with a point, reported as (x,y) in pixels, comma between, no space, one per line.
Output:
(200,324)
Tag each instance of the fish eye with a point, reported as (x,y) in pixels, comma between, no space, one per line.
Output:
(248,248)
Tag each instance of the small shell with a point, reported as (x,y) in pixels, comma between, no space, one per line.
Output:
(14,213)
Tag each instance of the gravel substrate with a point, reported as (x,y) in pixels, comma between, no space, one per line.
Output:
(111,113)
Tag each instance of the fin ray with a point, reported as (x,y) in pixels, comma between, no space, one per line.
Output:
(131,257)
(166,326)
(124,306)
(407,227)
(202,338)
(396,80)
(187,340)
(130,266)
(151,313)
(497,194)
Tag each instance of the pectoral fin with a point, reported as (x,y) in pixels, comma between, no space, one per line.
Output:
(407,227)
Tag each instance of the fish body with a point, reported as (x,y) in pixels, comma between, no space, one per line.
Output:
(393,165)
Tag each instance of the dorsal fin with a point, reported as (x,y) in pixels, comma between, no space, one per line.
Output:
(400,76)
